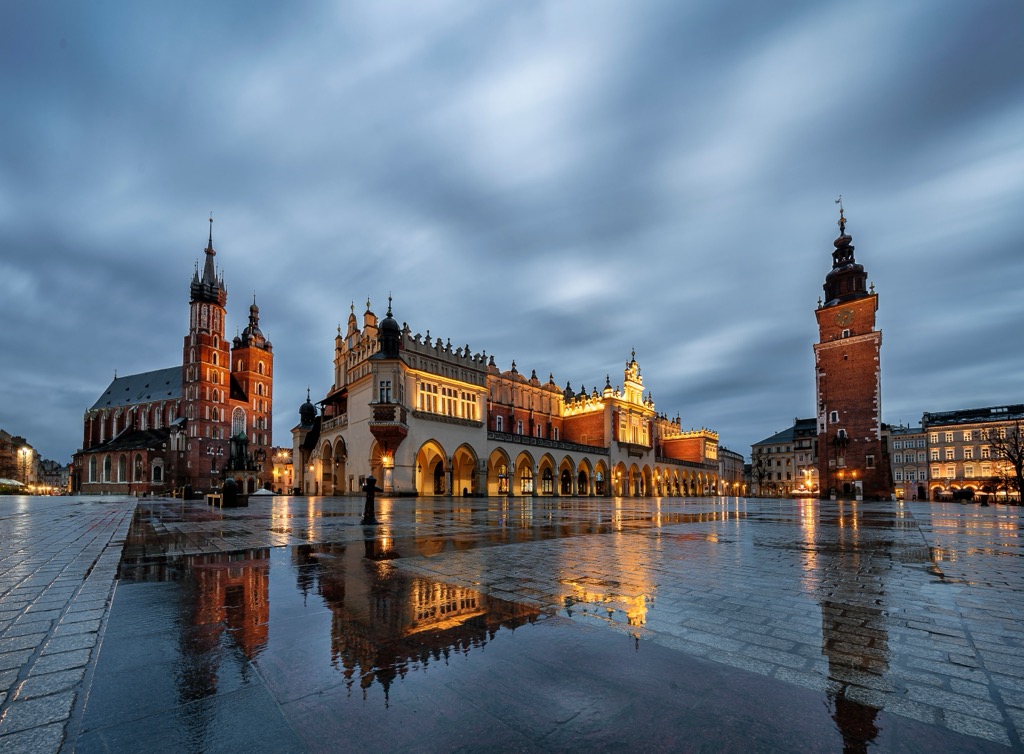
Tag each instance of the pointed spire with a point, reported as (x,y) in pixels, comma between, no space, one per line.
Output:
(209,244)
(389,305)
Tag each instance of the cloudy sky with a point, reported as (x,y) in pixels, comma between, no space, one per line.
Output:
(556,183)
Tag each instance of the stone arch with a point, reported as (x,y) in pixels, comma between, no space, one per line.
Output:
(524,482)
(620,480)
(634,487)
(340,468)
(327,478)
(464,464)
(546,475)
(647,481)
(601,480)
(499,470)
(432,477)
(566,472)
(156,473)
(583,478)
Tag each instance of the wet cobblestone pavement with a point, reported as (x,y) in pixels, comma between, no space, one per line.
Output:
(518,624)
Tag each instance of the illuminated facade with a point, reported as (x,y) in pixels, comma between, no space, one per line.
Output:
(964,458)
(426,418)
(189,425)
(786,463)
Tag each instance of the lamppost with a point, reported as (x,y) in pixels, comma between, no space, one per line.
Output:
(24,453)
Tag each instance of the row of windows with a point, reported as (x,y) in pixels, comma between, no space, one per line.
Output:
(909,457)
(967,453)
(968,435)
(138,470)
(436,399)
(538,428)
(970,471)
(900,444)
(912,475)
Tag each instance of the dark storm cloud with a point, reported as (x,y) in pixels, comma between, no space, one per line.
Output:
(555,183)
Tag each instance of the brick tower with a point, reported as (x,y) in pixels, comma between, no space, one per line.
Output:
(206,376)
(852,460)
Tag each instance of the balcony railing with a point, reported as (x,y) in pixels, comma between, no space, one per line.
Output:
(334,421)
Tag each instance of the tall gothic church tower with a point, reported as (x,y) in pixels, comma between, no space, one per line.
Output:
(852,460)
(206,364)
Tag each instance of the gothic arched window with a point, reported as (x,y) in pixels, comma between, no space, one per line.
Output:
(237,422)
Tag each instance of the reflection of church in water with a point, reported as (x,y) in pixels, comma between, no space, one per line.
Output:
(385,623)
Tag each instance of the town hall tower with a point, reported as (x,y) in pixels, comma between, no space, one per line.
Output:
(852,460)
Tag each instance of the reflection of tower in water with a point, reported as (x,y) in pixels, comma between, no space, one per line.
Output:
(854,635)
(385,623)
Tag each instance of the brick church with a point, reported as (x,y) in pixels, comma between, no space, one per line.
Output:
(190,426)
(853,459)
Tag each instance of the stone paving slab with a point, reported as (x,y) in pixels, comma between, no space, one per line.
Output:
(58,562)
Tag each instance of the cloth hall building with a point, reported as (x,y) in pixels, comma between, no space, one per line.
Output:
(426,418)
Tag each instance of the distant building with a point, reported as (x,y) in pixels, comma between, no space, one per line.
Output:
(425,417)
(19,461)
(852,457)
(191,425)
(785,463)
(731,479)
(962,460)
(282,472)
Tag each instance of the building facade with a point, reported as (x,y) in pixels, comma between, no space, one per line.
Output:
(190,426)
(965,460)
(785,464)
(731,478)
(426,418)
(852,457)
(908,454)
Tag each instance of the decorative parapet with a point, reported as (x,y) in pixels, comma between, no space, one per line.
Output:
(542,443)
(445,419)
(688,464)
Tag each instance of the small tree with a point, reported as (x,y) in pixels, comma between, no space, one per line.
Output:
(1008,448)
(760,469)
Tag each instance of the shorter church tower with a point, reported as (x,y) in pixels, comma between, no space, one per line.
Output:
(852,460)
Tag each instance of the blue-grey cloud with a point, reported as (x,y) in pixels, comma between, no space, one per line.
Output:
(555,183)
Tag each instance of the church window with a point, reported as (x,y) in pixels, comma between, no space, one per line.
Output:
(215,359)
(137,471)
(158,472)
(92,469)
(122,468)
(191,355)
(216,340)
(237,422)
(259,388)
(106,469)
(259,368)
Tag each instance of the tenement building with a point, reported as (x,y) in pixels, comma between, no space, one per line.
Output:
(190,426)
(973,453)
(786,463)
(424,417)
(852,457)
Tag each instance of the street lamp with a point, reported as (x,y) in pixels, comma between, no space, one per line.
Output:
(24,453)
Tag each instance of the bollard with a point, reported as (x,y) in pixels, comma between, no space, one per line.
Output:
(370,488)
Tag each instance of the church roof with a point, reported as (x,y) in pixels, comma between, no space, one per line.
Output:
(145,387)
(134,439)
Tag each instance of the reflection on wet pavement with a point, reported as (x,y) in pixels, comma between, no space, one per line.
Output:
(297,606)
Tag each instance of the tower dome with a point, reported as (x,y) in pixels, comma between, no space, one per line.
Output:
(389,335)
(307,411)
